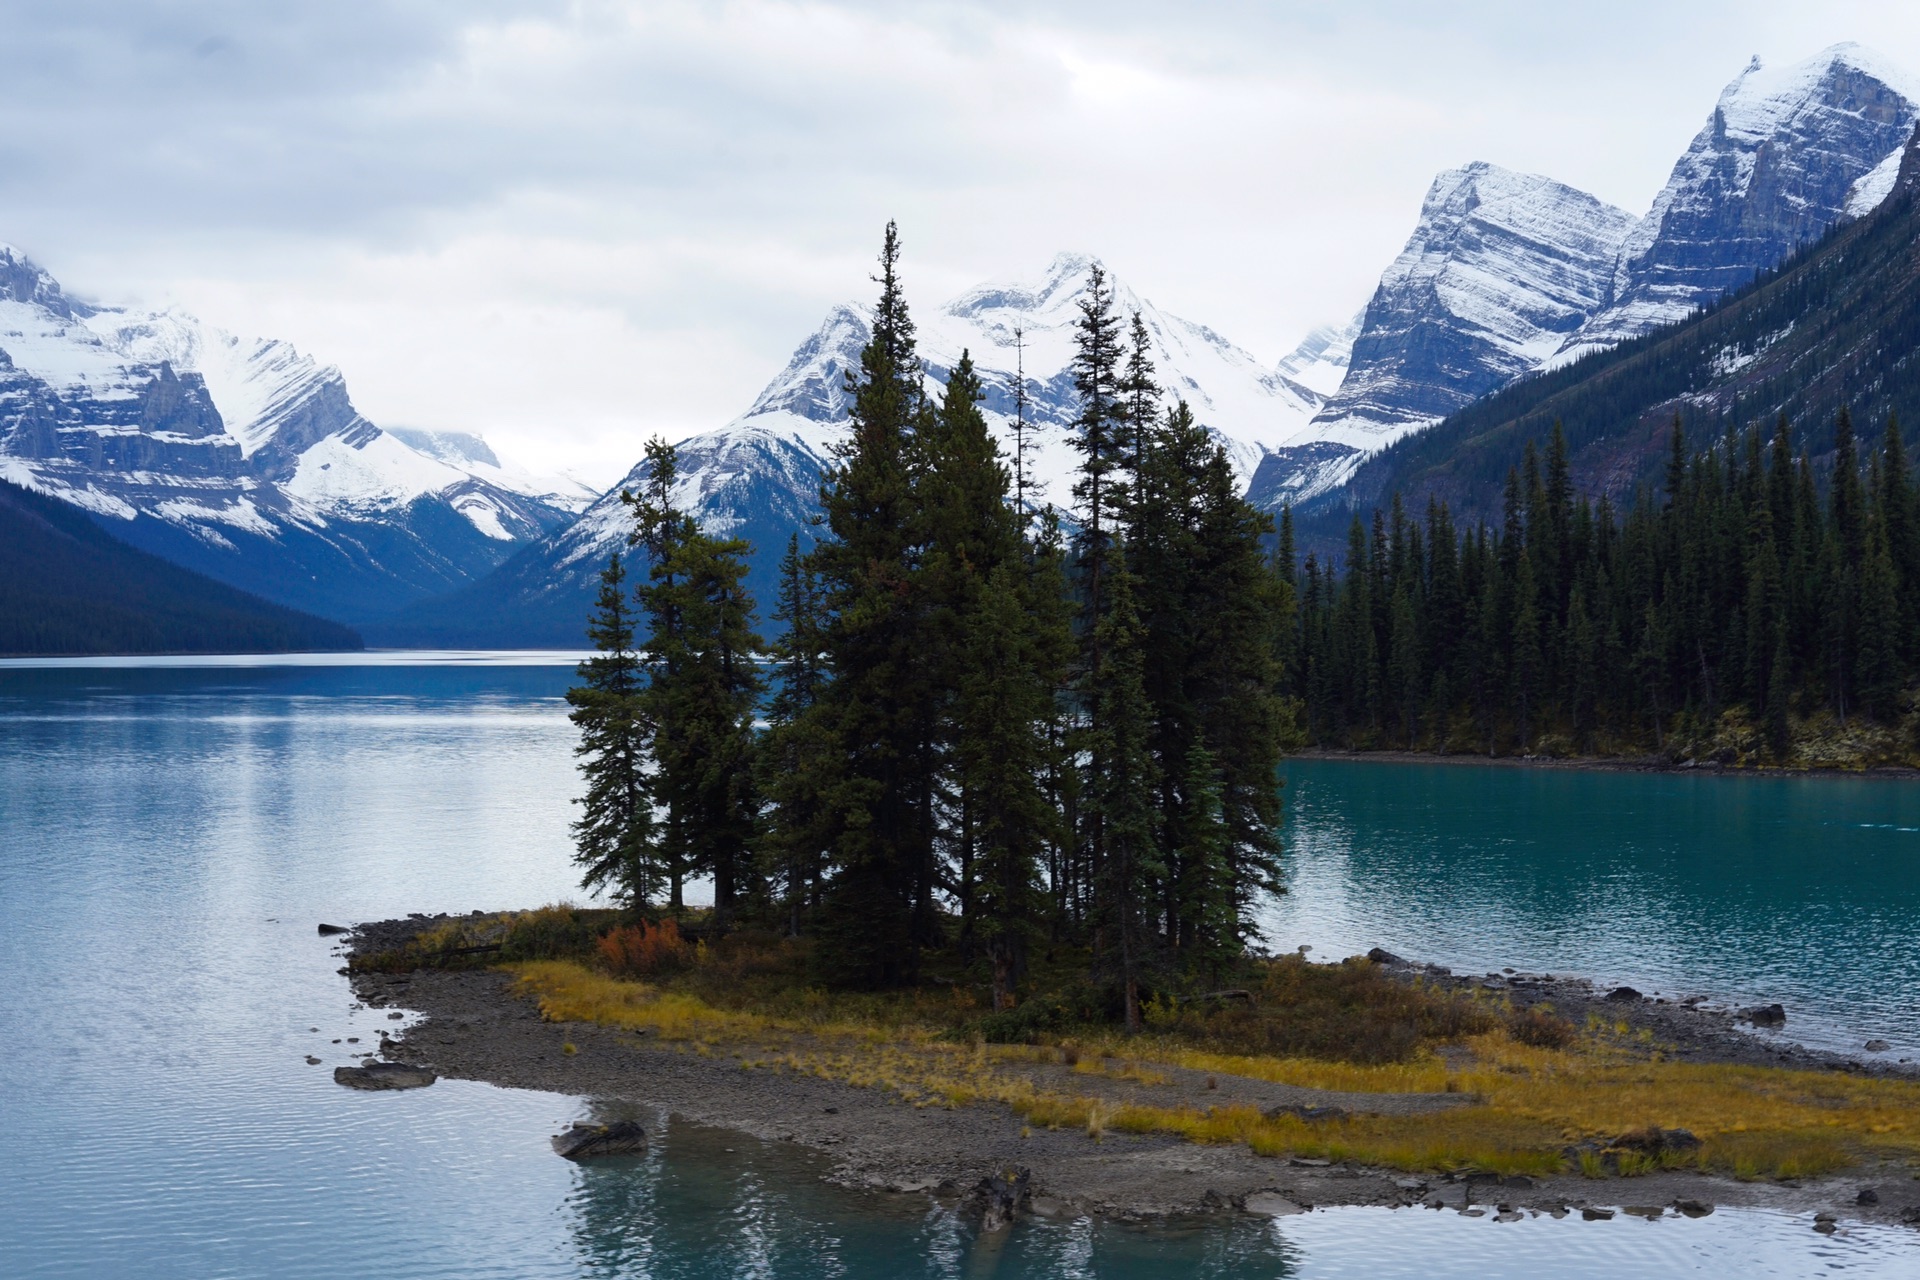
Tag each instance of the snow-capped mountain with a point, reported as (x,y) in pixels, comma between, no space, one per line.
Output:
(759,476)
(1506,274)
(245,459)
(1500,269)
(1017,331)
(1786,153)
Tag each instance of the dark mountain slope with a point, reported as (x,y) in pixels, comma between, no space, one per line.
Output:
(1837,325)
(69,587)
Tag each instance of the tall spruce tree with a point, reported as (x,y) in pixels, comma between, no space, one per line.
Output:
(702,690)
(1120,793)
(613,837)
(878,806)
(796,747)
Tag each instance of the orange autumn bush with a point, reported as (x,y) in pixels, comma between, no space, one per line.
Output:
(641,950)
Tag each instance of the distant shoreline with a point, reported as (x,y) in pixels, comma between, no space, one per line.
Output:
(1606,764)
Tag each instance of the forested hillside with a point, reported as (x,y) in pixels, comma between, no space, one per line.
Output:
(69,587)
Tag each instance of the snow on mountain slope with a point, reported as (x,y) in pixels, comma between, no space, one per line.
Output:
(244,459)
(1773,168)
(759,476)
(1320,362)
(1871,190)
(1029,325)
(1507,274)
(1500,268)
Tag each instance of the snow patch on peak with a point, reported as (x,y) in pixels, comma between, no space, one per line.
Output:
(23,280)
(1874,186)
(814,383)
(1501,267)
(1320,362)
(1763,100)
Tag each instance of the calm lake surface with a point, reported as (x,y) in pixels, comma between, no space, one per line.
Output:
(171,833)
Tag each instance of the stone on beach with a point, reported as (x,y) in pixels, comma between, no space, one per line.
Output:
(1271,1204)
(585,1141)
(384,1075)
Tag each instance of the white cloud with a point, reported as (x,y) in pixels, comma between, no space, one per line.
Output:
(568,225)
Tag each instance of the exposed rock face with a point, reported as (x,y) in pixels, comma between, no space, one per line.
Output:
(244,460)
(1507,274)
(1501,269)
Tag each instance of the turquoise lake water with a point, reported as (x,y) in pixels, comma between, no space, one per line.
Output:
(170,834)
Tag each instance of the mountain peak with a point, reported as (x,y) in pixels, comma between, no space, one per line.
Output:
(1063,281)
(1762,101)
(23,280)
(1786,153)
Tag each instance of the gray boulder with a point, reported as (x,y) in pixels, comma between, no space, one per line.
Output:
(384,1075)
(585,1141)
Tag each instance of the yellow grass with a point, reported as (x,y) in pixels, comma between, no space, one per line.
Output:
(1529,1103)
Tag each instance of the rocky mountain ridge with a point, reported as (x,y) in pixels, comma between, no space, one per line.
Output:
(1507,275)
(244,459)
(1835,326)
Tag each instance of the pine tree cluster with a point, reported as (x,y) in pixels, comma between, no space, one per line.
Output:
(1741,587)
(989,728)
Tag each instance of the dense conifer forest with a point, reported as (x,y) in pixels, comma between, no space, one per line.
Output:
(1740,607)
(986,727)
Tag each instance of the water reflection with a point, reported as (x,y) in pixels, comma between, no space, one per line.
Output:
(707,1203)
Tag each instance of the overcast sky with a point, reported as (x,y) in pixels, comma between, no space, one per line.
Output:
(569,225)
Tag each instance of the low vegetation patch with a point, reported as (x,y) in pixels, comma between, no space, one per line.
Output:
(1546,1096)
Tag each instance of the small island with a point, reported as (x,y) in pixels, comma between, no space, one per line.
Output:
(1363,1082)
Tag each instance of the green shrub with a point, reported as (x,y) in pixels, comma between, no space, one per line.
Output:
(552,933)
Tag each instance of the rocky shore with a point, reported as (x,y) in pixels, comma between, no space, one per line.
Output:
(1689,1029)
(475,1028)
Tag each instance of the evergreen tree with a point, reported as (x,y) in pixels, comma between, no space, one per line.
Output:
(794,752)
(1120,793)
(702,688)
(877,808)
(1005,698)
(613,835)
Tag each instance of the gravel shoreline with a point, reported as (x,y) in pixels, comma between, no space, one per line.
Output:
(474,1028)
